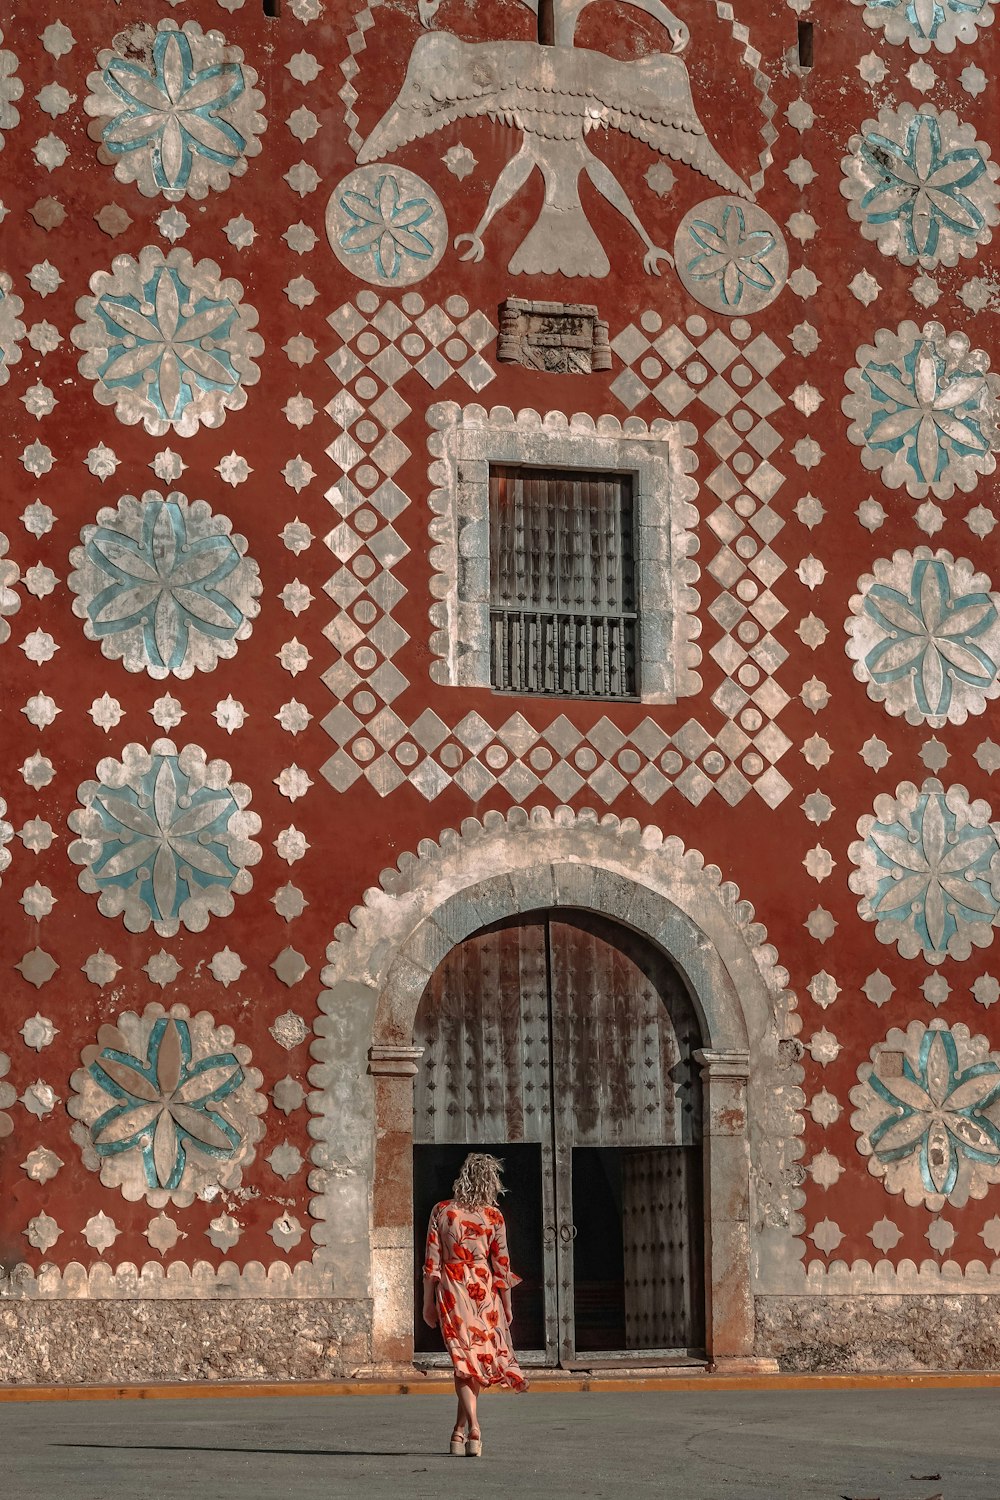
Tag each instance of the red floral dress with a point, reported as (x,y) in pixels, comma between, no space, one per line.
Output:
(467,1257)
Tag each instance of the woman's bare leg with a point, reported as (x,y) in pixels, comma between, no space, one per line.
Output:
(468,1393)
(460,1420)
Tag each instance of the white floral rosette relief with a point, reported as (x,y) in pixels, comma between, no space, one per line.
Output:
(167,1106)
(928,1114)
(924,410)
(927,867)
(175,110)
(924,24)
(168,341)
(924,636)
(165,838)
(164,585)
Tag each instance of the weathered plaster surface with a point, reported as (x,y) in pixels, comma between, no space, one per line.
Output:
(901,1332)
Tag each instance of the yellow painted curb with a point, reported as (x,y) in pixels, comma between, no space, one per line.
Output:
(544,1384)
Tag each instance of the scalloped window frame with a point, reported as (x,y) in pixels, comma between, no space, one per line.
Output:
(659,459)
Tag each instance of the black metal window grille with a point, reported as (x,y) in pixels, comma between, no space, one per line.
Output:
(562,582)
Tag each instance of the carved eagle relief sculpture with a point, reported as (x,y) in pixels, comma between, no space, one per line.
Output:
(555,95)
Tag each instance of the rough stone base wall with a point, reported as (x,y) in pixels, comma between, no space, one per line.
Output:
(128,1342)
(880,1333)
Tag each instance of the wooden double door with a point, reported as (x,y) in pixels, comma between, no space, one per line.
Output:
(563,1043)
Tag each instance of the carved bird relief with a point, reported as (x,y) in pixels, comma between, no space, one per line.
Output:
(555,95)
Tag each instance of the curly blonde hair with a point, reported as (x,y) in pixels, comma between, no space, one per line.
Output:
(478,1184)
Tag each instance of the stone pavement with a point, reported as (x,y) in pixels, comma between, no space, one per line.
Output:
(717,1445)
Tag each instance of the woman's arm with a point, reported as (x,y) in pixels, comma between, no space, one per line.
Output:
(432,1269)
(430,1313)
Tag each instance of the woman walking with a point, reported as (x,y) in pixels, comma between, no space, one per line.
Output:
(467,1286)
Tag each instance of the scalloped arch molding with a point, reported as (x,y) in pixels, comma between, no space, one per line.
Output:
(381,961)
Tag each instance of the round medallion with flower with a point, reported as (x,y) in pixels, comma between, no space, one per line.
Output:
(176,110)
(924,409)
(927,867)
(165,838)
(924,24)
(924,635)
(167,1106)
(731,256)
(922,186)
(164,585)
(386,225)
(928,1114)
(167,341)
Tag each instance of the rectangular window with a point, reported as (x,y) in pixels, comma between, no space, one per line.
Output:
(563,616)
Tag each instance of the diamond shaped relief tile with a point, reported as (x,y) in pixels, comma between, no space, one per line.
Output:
(341,725)
(651,784)
(731,740)
(772,742)
(391,321)
(693,784)
(607,782)
(768,609)
(476,373)
(388,546)
(725,523)
(733,785)
(387,727)
(388,682)
(767,523)
(343,587)
(726,567)
(344,409)
(384,775)
(719,350)
(606,737)
(727,610)
(389,365)
(475,780)
(344,496)
(723,482)
(345,452)
(723,439)
(389,500)
(390,454)
(562,735)
(429,779)
(771,697)
(630,344)
(477,330)
(345,364)
(766,482)
(674,346)
(769,654)
(728,654)
(341,679)
(517,734)
(629,389)
(763,354)
(519,780)
(475,734)
(763,400)
(718,396)
(767,565)
(674,394)
(772,787)
(649,738)
(435,325)
(340,771)
(763,439)
(434,368)
(563,781)
(387,636)
(344,633)
(390,409)
(429,731)
(729,698)
(386,591)
(346,321)
(692,740)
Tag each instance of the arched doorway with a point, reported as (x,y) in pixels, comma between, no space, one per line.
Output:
(565,1042)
